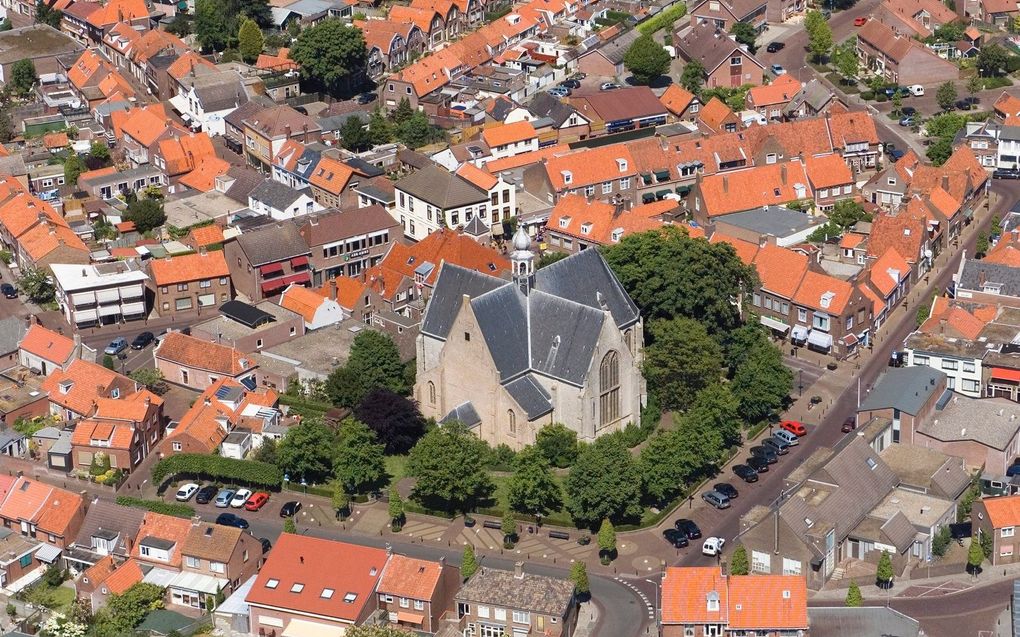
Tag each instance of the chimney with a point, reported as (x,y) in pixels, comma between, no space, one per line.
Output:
(148,401)
(723,568)
(207,401)
(301,558)
(304,136)
(286,130)
(782,173)
(942,326)
(518,570)
(982,278)
(332,289)
(945,183)
(725,183)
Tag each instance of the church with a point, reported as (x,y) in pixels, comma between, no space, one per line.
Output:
(563,344)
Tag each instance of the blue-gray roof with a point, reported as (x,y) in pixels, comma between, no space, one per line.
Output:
(979,274)
(585,278)
(7,436)
(904,388)
(453,283)
(530,396)
(465,413)
(777,221)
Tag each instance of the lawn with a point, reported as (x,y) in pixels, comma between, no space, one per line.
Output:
(396,467)
(58,599)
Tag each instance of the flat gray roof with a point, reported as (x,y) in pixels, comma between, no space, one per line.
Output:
(35,41)
(905,388)
(321,351)
(777,221)
(990,421)
(230,329)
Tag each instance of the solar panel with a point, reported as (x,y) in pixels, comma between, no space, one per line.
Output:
(247,315)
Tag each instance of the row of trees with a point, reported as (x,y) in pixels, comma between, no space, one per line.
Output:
(412,128)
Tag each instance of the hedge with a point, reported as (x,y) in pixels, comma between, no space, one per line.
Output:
(664,19)
(217,468)
(157,506)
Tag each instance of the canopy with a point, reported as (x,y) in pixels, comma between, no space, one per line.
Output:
(820,339)
(410,618)
(1001,373)
(799,333)
(777,325)
(647,197)
(304,628)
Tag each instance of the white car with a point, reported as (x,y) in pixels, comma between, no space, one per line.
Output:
(240,498)
(186,492)
(916,90)
(777,70)
(712,546)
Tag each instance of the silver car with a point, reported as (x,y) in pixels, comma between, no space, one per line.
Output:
(716,499)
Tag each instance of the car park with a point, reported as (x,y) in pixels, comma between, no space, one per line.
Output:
(186,492)
(290,509)
(787,437)
(677,538)
(775,47)
(796,428)
(781,447)
(1006,173)
(761,465)
(916,90)
(229,519)
(240,498)
(9,291)
(906,122)
(777,69)
(256,501)
(142,340)
(116,346)
(768,455)
(688,528)
(609,86)
(206,494)
(849,425)
(745,473)
(716,499)
(726,489)
(713,546)
(224,497)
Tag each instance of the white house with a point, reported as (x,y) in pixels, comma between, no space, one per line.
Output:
(1009,147)
(317,310)
(434,198)
(207,97)
(280,201)
(100,294)
(959,359)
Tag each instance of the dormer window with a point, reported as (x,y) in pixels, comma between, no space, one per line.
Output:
(568,177)
(622,165)
(712,602)
(564,222)
(66,385)
(586,227)
(616,235)
(826,299)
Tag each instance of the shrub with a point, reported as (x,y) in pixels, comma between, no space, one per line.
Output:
(217,468)
(157,506)
(881,98)
(868,96)
(664,19)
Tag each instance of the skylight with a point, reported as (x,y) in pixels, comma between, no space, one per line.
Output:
(297,587)
(350,597)
(272,583)
(327,593)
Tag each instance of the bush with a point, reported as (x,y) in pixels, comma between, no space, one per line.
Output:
(217,468)
(157,506)
(868,96)
(940,543)
(664,19)
(881,98)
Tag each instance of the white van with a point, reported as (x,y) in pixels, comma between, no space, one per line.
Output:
(916,90)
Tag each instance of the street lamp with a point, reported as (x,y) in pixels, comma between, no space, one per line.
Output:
(800,384)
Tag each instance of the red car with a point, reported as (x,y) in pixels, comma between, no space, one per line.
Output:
(256,501)
(793,427)
(849,425)
(860,22)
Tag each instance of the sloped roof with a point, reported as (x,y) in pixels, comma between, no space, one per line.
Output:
(47,344)
(195,353)
(441,188)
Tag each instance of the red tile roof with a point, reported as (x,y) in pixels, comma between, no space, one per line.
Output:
(1003,511)
(888,271)
(749,188)
(301,300)
(714,114)
(746,250)
(205,236)
(85,382)
(685,592)
(198,354)
(745,602)
(411,578)
(105,433)
(348,291)
(349,570)
(127,575)
(781,91)
(189,267)
(599,222)
(47,345)
(676,99)
(780,270)
(477,176)
(589,166)
(823,292)
(163,527)
(827,171)
(509,134)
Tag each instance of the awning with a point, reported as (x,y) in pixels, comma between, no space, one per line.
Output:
(819,339)
(849,340)
(661,175)
(411,618)
(968,213)
(180,103)
(270,268)
(80,316)
(109,310)
(1010,375)
(683,190)
(777,325)
(273,285)
(648,197)
(298,261)
(799,333)
(301,277)
(647,178)
(305,628)
(130,309)
(198,582)
(661,194)
(47,553)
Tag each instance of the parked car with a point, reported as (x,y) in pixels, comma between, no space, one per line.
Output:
(571,83)
(849,425)
(9,291)
(1006,173)
(713,546)
(906,122)
(787,437)
(1013,470)
(256,501)
(775,47)
(186,491)
(116,346)
(745,473)
(796,428)
(893,91)
(290,509)
(560,91)
(777,69)
(896,155)
(768,455)
(860,21)
(779,446)
(240,498)
(142,340)
(224,497)
(609,86)
(916,90)
(688,528)
(726,489)
(677,538)
(206,494)
(908,111)
(759,464)
(266,545)
(716,499)
(229,519)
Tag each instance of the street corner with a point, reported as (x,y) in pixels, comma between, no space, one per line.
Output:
(645,564)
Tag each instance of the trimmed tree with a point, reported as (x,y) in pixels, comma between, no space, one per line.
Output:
(946,95)
(646,59)
(884,573)
(853,596)
(508,525)
(340,499)
(358,464)
(607,541)
(448,465)
(396,509)
(579,576)
(975,556)
(604,483)
(289,526)
(250,40)
(738,563)
(73,166)
(468,562)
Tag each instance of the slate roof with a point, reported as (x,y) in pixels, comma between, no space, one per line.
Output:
(535,593)
(711,48)
(545,105)
(899,531)
(441,188)
(272,243)
(1007,277)
(813,94)
(615,49)
(12,330)
(276,195)
(585,278)
(446,298)
(464,413)
(530,396)
(904,388)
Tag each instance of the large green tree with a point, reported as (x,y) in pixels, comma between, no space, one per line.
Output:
(744,33)
(44,14)
(147,214)
(680,361)
(448,466)
(646,59)
(250,40)
(36,284)
(380,130)
(946,95)
(975,555)
(819,35)
(416,131)
(603,483)
(532,489)
(354,136)
(212,27)
(374,362)
(992,60)
(358,463)
(669,274)
(306,452)
(666,466)
(332,55)
(73,167)
(692,77)
(844,58)
(23,77)
(126,610)
(762,383)
(558,444)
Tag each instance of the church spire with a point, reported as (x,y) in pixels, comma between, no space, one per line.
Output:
(522,259)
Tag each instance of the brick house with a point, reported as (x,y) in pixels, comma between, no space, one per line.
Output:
(417,593)
(47,514)
(216,560)
(771,101)
(74,392)
(723,14)
(185,285)
(900,59)
(495,602)
(192,362)
(347,242)
(830,179)
(726,63)
(739,190)
(604,172)
(125,430)
(999,517)
(264,261)
(576,224)
(20,556)
(266,131)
